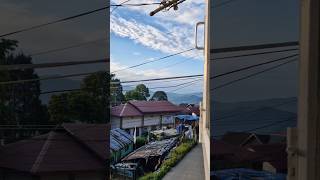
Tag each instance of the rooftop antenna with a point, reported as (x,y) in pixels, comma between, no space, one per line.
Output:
(167,5)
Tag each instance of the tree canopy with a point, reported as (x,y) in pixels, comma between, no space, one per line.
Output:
(159,96)
(90,104)
(20,103)
(141,93)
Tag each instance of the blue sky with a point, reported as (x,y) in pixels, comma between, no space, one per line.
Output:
(136,37)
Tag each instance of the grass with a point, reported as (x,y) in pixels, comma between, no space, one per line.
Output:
(174,157)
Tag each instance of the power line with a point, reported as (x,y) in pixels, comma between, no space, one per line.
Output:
(191,83)
(66,19)
(252,66)
(51,65)
(223,3)
(118,6)
(146,80)
(254,111)
(66,47)
(254,54)
(254,47)
(160,79)
(147,62)
(265,126)
(46,78)
(252,75)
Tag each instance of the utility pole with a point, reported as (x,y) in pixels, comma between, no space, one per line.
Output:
(166,5)
(304,160)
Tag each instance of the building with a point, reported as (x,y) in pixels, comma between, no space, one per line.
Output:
(144,115)
(121,144)
(71,152)
(190,109)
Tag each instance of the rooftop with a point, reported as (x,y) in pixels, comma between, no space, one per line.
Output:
(139,108)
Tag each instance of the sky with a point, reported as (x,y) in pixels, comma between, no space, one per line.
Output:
(137,37)
(17,14)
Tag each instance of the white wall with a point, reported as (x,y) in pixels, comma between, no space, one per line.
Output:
(151,120)
(131,122)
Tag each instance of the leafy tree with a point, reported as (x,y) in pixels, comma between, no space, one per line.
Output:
(20,103)
(141,93)
(90,104)
(159,96)
(116,95)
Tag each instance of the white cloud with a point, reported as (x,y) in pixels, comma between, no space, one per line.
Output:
(129,74)
(179,40)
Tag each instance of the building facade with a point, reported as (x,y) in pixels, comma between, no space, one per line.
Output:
(143,115)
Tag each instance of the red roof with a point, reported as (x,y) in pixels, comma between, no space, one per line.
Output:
(71,148)
(139,108)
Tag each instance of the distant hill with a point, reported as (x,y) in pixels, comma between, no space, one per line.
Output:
(244,116)
(192,98)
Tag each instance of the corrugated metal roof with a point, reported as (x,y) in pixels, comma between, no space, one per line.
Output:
(119,139)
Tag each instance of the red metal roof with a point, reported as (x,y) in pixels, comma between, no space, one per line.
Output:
(139,108)
(77,147)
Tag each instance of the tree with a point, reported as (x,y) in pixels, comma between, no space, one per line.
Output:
(20,102)
(90,104)
(159,96)
(116,94)
(141,93)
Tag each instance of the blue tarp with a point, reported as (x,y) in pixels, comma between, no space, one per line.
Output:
(119,139)
(187,117)
(245,174)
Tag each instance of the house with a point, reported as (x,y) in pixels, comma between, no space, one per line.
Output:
(144,115)
(225,156)
(121,144)
(70,152)
(245,138)
(273,156)
(190,109)
(151,155)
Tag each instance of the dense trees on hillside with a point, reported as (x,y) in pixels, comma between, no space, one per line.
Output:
(20,102)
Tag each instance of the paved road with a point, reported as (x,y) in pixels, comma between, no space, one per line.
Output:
(189,168)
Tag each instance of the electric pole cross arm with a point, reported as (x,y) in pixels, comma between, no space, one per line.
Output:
(167,4)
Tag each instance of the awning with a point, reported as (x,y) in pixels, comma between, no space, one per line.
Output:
(188,117)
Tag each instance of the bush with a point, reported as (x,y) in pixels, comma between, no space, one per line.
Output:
(140,141)
(174,157)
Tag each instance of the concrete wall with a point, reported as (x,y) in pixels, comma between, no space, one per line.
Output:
(151,120)
(131,122)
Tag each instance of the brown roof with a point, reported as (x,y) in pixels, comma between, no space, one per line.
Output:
(231,152)
(274,153)
(71,148)
(139,108)
(242,138)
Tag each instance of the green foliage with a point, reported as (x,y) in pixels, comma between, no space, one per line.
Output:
(141,93)
(116,95)
(87,105)
(140,141)
(20,103)
(174,157)
(159,96)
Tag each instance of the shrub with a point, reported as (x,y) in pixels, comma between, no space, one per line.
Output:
(140,141)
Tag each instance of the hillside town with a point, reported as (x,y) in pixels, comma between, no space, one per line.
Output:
(145,135)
